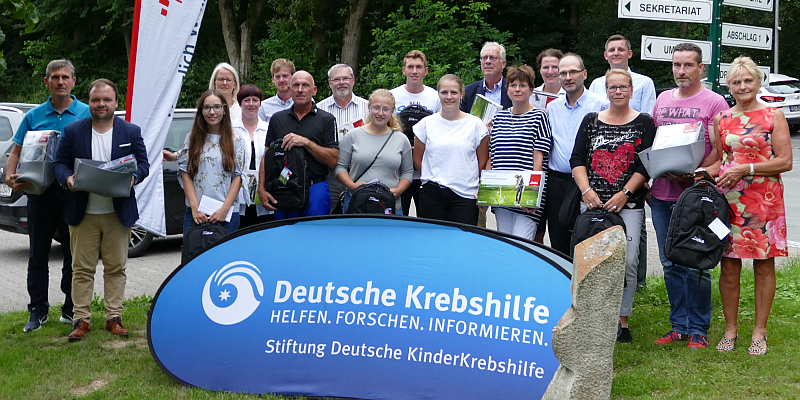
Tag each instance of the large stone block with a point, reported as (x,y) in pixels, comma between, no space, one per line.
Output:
(583,341)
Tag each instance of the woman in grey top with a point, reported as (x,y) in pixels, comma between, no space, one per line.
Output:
(394,166)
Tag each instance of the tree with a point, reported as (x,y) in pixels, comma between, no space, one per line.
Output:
(351,44)
(17,9)
(237,30)
(450,36)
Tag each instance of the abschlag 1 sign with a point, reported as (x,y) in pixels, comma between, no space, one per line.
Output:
(364,307)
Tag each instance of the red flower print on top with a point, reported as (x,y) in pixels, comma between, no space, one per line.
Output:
(610,166)
(728,125)
(777,232)
(763,199)
(750,244)
(761,118)
(751,149)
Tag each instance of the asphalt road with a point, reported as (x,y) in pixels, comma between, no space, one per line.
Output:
(145,274)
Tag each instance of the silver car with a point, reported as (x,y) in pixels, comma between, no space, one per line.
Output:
(783,93)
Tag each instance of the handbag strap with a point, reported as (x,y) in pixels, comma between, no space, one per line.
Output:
(388,136)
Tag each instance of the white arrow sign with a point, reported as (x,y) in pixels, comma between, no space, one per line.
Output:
(723,73)
(763,5)
(666,10)
(657,48)
(753,37)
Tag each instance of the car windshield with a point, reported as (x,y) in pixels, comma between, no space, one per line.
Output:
(786,87)
(180,127)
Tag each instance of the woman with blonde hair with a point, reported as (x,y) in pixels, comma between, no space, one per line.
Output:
(225,79)
(610,175)
(451,148)
(755,148)
(378,150)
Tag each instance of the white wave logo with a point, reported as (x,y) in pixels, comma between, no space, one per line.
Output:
(243,304)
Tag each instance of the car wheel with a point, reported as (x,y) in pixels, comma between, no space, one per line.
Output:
(140,241)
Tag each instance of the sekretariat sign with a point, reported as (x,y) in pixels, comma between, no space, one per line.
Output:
(364,307)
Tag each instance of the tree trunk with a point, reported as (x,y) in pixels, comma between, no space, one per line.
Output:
(574,14)
(230,33)
(246,39)
(351,44)
(126,34)
(319,36)
(684,29)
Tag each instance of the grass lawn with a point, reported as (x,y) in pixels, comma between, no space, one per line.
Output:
(42,365)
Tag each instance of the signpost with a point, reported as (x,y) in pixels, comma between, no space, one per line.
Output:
(723,73)
(666,10)
(656,48)
(763,5)
(753,37)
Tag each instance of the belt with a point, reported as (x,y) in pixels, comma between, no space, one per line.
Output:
(437,185)
(561,175)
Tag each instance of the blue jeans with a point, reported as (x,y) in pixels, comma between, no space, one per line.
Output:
(230,227)
(45,217)
(346,202)
(319,203)
(688,289)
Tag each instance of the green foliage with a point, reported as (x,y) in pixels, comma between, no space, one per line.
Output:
(285,39)
(450,37)
(17,9)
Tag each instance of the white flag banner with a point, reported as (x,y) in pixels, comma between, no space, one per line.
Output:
(162,46)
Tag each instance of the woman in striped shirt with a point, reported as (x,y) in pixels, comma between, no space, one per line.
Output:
(520,140)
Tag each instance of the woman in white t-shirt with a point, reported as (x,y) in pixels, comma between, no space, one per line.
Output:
(450,149)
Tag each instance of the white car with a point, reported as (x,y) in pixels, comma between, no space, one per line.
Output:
(783,93)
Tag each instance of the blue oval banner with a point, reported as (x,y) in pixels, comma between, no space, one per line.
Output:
(364,307)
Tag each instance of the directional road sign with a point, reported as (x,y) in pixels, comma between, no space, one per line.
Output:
(723,73)
(763,5)
(753,37)
(666,10)
(660,48)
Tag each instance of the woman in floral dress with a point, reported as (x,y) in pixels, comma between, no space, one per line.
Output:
(756,149)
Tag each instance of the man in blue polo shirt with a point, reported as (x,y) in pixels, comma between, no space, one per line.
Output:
(46,211)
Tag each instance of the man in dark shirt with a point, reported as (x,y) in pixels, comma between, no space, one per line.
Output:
(314,130)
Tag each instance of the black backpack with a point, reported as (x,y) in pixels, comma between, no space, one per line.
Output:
(292,193)
(690,242)
(372,198)
(591,223)
(201,237)
(409,117)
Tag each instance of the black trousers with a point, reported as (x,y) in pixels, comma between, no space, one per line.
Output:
(45,217)
(250,217)
(408,194)
(439,202)
(558,184)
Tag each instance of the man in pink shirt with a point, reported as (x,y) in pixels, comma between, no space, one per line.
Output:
(688,288)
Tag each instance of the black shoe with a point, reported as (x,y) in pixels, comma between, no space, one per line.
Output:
(624,335)
(35,322)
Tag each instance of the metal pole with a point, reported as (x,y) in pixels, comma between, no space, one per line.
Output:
(777,29)
(715,38)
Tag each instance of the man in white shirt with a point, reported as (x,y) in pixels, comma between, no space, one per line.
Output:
(414,92)
(282,71)
(618,52)
(347,108)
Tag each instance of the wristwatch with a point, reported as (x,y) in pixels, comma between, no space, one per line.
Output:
(627,193)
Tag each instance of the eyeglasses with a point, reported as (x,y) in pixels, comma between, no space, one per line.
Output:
(522,86)
(338,80)
(623,88)
(216,107)
(493,58)
(377,109)
(574,72)
(224,80)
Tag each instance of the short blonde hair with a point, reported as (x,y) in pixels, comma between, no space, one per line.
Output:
(394,122)
(619,71)
(232,70)
(451,78)
(743,65)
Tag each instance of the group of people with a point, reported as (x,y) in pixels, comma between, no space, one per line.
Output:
(584,141)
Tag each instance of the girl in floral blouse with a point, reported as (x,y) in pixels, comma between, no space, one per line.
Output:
(211,164)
